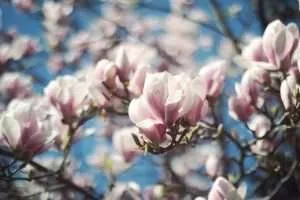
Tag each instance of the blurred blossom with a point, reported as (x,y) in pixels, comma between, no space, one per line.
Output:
(249,93)
(239,107)
(205,42)
(15,85)
(123,65)
(213,75)
(80,41)
(110,162)
(29,127)
(55,34)
(181,6)
(4,54)
(170,43)
(198,15)
(209,155)
(260,124)
(25,5)
(23,46)
(140,54)
(56,63)
(263,146)
(130,190)
(137,81)
(83,180)
(118,14)
(222,189)
(106,72)
(226,49)
(234,9)
(68,95)
(124,144)
(56,11)
(153,192)
(180,26)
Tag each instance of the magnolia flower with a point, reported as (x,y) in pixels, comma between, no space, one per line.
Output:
(106,72)
(29,127)
(255,53)
(136,84)
(68,95)
(123,65)
(143,116)
(213,76)
(279,42)
(15,85)
(224,190)
(240,108)
(260,124)
(158,106)
(275,49)
(165,99)
(195,105)
(124,144)
(25,5)
(288,91)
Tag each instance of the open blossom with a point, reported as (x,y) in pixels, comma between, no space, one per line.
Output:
(157,106)
(213,75)
(275,49)
(124,144)
(165,99)
(15,85)
(68,95)
(29,127)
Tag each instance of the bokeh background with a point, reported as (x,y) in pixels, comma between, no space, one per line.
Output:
(193,41)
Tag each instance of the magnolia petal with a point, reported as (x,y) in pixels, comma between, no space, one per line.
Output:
(10,130)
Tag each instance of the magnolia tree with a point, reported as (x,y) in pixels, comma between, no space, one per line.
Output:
(129,86)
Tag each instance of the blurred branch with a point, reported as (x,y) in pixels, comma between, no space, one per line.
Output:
(59,177)
(227,31)
(261,14)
